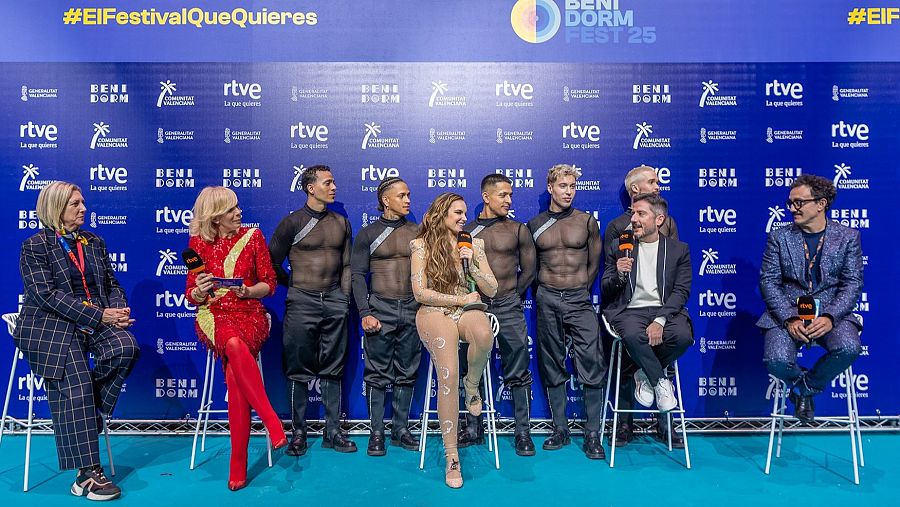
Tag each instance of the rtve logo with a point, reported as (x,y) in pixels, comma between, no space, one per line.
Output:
(858,130)
(36,130)
(173,300)
(235,89)
(117,174)
(507,89)
(373,173)
(718,216)
(778,89)
(174,216)
(721,299)
(306,131)
(574,131)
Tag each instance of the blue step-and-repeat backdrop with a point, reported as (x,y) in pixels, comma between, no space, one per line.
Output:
(400,91)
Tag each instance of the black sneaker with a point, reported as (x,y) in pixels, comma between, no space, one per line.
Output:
(557,439)
(93,483)
(339,442)
(376,444)
(405,439)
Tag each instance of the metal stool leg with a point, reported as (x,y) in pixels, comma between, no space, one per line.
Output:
(12,376)
(268,436)
(852,422)
(109,455)
(200,411)
(28,429)
(862,459)
(617,346)
(776,405)
(491,413)
(606,401)
(687,451)
(782,410)
(209,401)
(426,410)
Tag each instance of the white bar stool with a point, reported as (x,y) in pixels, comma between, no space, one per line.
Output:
(616,355)
(28,423)
(779,406)
(489,411)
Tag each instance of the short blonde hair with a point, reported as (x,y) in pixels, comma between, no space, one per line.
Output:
(52,202)
(635,175)
(211,204)
(560,170)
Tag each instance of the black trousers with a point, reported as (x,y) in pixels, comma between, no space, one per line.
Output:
(513,340)
(631,324)
(76,398)
(315,334)
(568,313)
(394,353)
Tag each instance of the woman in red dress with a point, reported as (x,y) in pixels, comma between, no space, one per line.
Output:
(232,322)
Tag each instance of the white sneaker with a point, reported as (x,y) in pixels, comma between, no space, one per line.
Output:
(643,391)
(665,395)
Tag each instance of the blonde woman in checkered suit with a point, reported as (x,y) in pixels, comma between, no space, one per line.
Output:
(74,306)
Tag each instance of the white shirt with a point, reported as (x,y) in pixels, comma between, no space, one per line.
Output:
(646,292)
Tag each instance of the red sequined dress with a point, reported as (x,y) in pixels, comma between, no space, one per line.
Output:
(244,255)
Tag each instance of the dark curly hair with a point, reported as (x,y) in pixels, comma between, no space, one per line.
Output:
(819,187)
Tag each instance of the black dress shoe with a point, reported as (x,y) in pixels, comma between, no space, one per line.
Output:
(406,440)
(557,439)
(524,444)
(376,444)
(468,437)
(298,446)
(339,442)
(660,434)
(624,435)
(804,407)
(592,447)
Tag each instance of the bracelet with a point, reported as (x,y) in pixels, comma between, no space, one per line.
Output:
(199,300)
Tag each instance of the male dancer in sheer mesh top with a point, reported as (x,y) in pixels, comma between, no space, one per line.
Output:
(316,242)
(568,249)
(388,312)
(510,253)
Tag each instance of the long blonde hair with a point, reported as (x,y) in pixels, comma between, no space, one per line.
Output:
(439,245)
(212,203)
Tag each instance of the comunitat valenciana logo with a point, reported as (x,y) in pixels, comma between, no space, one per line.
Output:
(535,21)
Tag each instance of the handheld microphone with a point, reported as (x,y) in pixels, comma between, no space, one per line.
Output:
(195,264)
(626,242)
(806,310)
(464,240)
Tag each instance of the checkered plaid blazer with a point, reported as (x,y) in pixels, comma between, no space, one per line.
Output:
(50,312)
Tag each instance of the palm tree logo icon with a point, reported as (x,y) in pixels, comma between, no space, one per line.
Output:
(29,172)
(643,130)
(372,130)
(840,171)
(709,88)
(166,257)
(100,129)
(709,256)
(167,87)
(295,183)
(775,213)
(437,87)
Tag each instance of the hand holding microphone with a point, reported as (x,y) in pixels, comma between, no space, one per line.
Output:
(625,264)
(473,299)
(195,265)
(806,311)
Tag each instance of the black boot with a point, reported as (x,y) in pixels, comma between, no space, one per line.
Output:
(400,434)
(804,407)
(298,395)
(560,436)
(662,430)
(332,437)
(376,415)
(522,405)
(592,447)
(472,433)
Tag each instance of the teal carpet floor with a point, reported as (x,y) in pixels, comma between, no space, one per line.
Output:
(814,470)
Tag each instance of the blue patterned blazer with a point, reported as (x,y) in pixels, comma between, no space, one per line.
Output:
(50,312)
(782,277)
